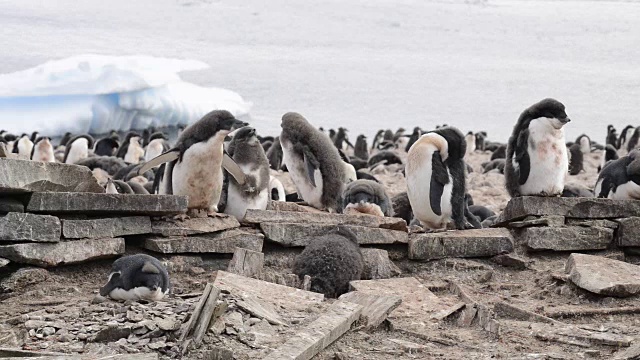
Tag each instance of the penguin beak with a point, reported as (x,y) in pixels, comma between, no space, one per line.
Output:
(565,120)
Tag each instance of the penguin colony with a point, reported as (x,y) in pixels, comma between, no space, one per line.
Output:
(223,165)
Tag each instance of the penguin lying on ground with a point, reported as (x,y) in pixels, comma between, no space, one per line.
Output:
(620,179)
(609,153)
(537,161)
(137,277)
(576,159)
(43,150)
(313,162)
(435,175)
(481,212)
(77,149)
(366,197)
(497,164)
(332,261)
(499,153)
(576,191)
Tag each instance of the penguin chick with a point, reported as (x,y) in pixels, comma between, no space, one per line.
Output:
(609,153)
(110,187)
(138,188)
(492,165)
(275,154)
(435,174)
(585,143)
(361,150)
(245,149)
(481,212)
(77,148)
(576,191)
(134,151)
(43,150)
(402,207)
(366,197)
(576,159)
(276,190)
(470,139)
(537,161)
(332,261)
(118,187)
(106,147)
(137,277)
(620,179)
(313,163)
(110,164)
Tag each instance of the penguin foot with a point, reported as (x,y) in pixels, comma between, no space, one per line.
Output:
(181,217)
(215,214)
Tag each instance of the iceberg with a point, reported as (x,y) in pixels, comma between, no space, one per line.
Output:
(97,93)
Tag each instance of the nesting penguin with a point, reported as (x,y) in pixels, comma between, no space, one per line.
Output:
(366,197)
(246,150)
(137,277)
(435,173)
(332,261)
(537,160)
(77,148)
(43,150)
(576,159)
(620,179)
(313,162)
(194,165)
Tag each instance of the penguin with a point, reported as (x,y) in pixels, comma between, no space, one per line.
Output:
(376,139)
(364,176)
(266,145)
(341,140)
(609,153)
(276,190)
(124,146)
(23,147)
(155,148)
(576,191)
(118,187)
(106,147)
(111,164)
(585,143)
(110,187)
(415,135)
(470,139)
(537,160)
(400,140)
(612,136)
(388,136)
(349,170)
(77,148)
(65,139)
(313,162)
(43,150)
(135,152)
(361,150)
(275,154)
(480,140)
(620,179)
(481,212)
(493,165)
(576,159)
(137,277)
(386,145)
(634,140)
(402,207)
(332,261)
(499,153)
(147,134)
(193,167)
(34,136)
(625,136)
(435,174)
(358,163)
(385,157)
(245,149)
(366,197)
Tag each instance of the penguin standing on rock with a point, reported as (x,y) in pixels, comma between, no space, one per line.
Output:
(77,148)
(194,166)
(537,161)
(43,150)
(435,175)
(620,179)
(137,277)
(313,162)
(367,197)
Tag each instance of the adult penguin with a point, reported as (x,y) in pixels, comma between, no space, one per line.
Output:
(620,179)
(77,148)
(361,150)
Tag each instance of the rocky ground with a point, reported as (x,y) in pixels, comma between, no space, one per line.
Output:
(55,310)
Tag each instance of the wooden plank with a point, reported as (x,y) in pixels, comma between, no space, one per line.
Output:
(319,334)
(266,216)
(443,314)
(246,262)
(205,317)
(196,312)
(376,307)
(511,311)
(260,310)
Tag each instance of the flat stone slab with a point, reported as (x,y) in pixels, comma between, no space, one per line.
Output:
(565,238)
(312,339)
(582,208)
(29,227)
(377,264)
(294,234)
(8,204)
(17,176)
(460,243)
(224,242)
(628,232)
(267,216)
(64,252)
(90,203)
(106,228)
(418,303)
(550,220)
(376,307)
(194,226)
(603,276)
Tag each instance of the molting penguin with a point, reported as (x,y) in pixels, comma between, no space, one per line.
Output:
(576,159)
(366,197)
(137,277)
(77,148)
(332,261)
(313,162)
(43,150)
(585,143)
(106,147)
(247,152)
(470,139)
(435,175)
(620,179)
(194,166)
(361,150)
(609,153)
(537,160)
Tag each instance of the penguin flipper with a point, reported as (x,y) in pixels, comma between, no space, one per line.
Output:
(169,156)
(311,164)
(633,169)
(522,157)
(233,169)
(439,178)
(149,268)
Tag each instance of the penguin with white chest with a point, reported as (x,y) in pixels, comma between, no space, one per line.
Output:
(537,162)
(137,277)
(194,166)
(435,173)
(245,149)
(77,148)
(313,162)
(43,150)
(620,179)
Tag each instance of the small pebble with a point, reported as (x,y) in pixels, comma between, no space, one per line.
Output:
(98,299)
